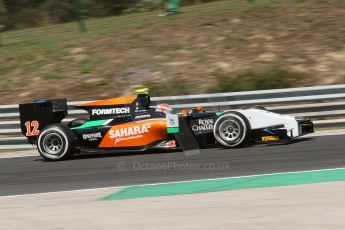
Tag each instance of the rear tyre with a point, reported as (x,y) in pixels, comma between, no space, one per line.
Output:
(56,142)
(232,130)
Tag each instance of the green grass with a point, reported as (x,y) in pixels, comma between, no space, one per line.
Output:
(69,31)
(37,51)
(49,38)
(103,81)
(4,80)
(178,46)
(86,66)
(170,87)
(271,78)
(50,76)
(7,68)
(29,56)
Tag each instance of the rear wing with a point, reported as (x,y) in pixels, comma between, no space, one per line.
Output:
(38,114)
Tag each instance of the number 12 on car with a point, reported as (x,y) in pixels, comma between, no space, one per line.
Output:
(32,128)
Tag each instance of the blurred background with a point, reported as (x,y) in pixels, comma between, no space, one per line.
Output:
(93,49)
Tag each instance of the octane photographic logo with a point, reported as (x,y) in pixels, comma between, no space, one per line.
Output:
(92,136)
(203,125)
(110,111)
(129,133)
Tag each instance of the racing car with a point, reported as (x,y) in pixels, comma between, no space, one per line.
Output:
(136,123)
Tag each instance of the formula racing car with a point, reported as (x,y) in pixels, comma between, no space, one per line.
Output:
(135,123)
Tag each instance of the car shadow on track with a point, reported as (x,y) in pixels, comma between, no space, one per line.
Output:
(293,141)
(101,154)
(104,154)
(94,154)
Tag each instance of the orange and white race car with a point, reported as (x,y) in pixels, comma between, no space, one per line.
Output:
(134,123)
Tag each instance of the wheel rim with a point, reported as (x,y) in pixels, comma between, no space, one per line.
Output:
(53,144)
(229,130)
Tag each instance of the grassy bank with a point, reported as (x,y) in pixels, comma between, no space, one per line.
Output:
(222,46)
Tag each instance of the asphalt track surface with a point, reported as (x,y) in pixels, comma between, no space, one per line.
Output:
(27,175)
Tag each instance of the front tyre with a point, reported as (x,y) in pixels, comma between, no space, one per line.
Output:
(56,142)
(232,130)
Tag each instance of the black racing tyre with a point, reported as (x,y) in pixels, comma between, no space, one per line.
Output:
(56,142)
(77,122)
(232,129)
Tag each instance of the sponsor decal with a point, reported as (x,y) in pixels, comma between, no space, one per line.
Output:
(142,116)
(110,111)
(92,136)
(172,144)
(167,144)
(172,121)
(270,138)
(129,133)
(203,125)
